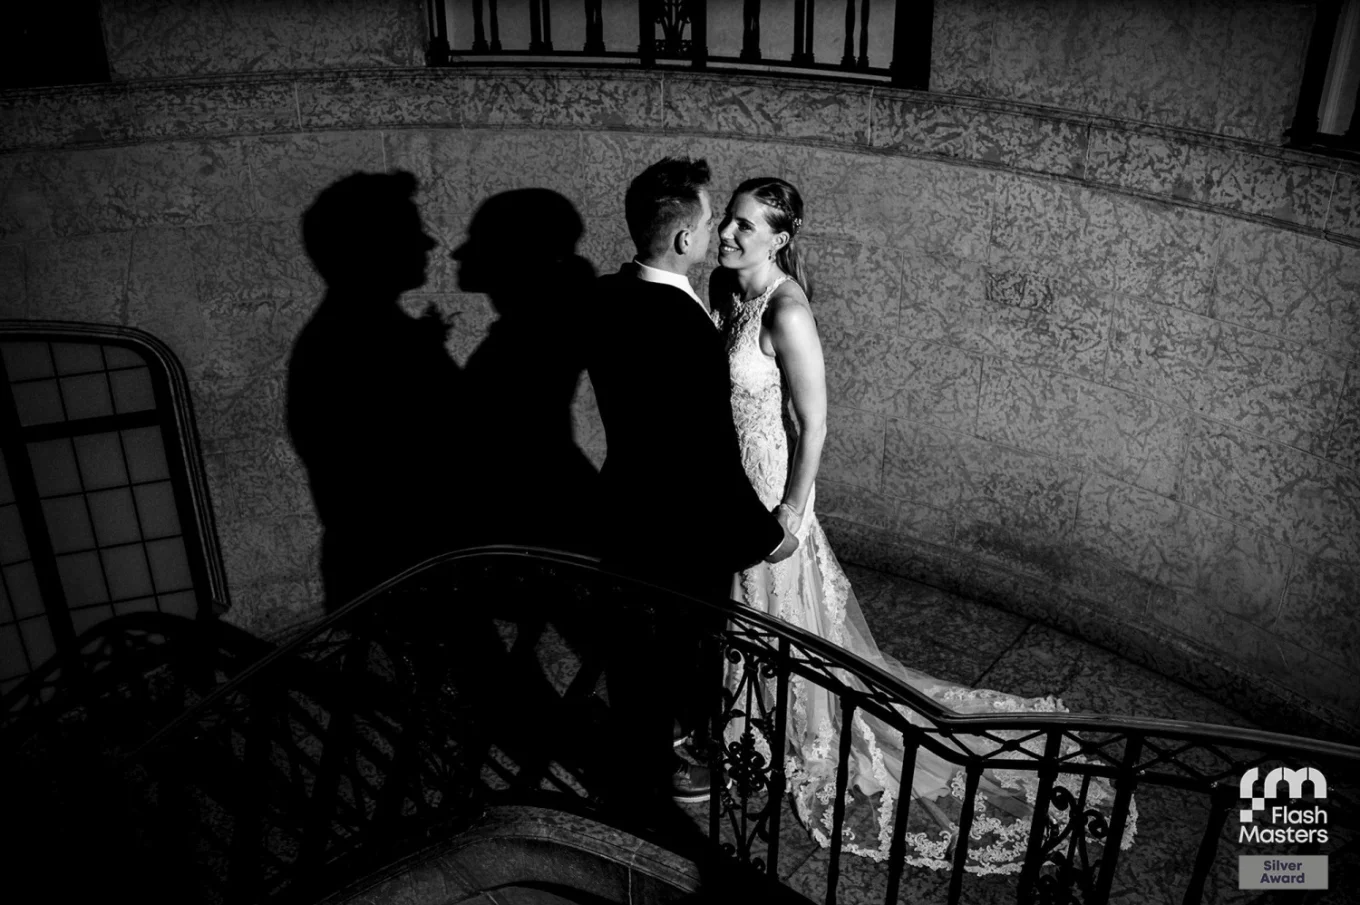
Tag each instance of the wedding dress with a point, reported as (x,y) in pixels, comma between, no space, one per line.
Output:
(810,590)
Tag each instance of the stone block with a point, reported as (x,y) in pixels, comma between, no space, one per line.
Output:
(1140,161)
(433,98)
(1273,387)
(1283,493)
(1096,427)
(961,47)
(1126,525)
(1162,252)
(782,110)
(13,284)
(1216,565)
(1344,447)
(1054,229)
(79,279)
(1289,285)
(1343,212)
(1251,183)
(1318,613)
(561,99)
(237,414)
(854,286)
(853,452)
(151,39)
(268,480)
(268,550)
(288,172)
(113,189)
(901,378)
(1257,93)
(1160,352)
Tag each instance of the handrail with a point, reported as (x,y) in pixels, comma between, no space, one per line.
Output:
(477,677)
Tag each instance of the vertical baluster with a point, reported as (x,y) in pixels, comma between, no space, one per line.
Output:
(1128,780)
(547,26)
(751,675)
(1305,126)
(864,36)
(848,57)
(535,28)
(698,33)
(1353,130)
(897,848)
(437,54)
(750,31)
(799,12)
(594,27)
(808,52)
(1221,800)
(478,28)
(778,744)
(912,28)
(1034,848)
(970,786)
(495,28)
(833,872)
(647,32)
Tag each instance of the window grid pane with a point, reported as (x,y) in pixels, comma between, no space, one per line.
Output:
(27,360)
(86,396)
(108,503)
(77,358)
(22,584)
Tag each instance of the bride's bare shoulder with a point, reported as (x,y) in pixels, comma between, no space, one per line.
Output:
(788,302)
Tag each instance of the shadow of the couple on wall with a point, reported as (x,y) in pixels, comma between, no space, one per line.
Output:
(407,454)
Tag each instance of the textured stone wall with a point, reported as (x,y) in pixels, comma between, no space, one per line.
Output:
(1231,67)
(1097,372)
(158,38)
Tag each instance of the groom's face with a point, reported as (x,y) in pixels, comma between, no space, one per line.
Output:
(701,234)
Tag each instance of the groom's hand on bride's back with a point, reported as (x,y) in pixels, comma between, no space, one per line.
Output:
(785,548)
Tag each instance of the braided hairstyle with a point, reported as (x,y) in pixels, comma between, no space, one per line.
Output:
(784,213)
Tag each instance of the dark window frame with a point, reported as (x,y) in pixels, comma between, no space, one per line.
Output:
(172,414)
(1304,133)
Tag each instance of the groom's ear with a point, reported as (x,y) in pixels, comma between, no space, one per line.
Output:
(680,241)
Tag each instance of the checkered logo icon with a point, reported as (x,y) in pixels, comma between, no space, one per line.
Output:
(1293,778)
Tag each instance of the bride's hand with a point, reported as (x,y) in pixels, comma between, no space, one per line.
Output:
(789,517)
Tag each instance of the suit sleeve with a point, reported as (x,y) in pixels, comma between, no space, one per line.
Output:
(738,524)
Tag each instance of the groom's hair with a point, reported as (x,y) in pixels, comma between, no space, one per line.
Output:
(664,198)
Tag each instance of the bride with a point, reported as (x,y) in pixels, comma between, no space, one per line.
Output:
(760,301)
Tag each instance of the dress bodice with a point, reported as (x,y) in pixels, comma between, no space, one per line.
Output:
(766,429)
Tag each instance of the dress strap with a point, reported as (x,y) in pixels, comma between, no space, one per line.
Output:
(760,300)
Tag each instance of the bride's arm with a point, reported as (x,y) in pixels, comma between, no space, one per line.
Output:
(793,334)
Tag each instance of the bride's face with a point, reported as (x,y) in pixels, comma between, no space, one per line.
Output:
(745,237)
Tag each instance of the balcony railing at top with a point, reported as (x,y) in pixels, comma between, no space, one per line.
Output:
(676,32)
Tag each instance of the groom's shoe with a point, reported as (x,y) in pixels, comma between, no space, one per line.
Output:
(690,783)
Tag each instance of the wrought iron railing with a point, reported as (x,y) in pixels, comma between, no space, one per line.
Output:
(677,31)
(482,677)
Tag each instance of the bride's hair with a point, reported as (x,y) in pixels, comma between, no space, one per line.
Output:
(784,213)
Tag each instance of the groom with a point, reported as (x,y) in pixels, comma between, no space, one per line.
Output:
(677,506)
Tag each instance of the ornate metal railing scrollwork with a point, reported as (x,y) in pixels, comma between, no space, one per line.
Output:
(484,676)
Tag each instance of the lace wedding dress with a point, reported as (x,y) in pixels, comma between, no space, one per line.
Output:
(810,590)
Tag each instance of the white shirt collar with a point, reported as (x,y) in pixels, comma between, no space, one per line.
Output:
(654,275)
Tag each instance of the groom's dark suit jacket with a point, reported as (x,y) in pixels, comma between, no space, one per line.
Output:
(677,505)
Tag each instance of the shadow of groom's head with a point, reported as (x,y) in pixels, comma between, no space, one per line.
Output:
(365,232)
